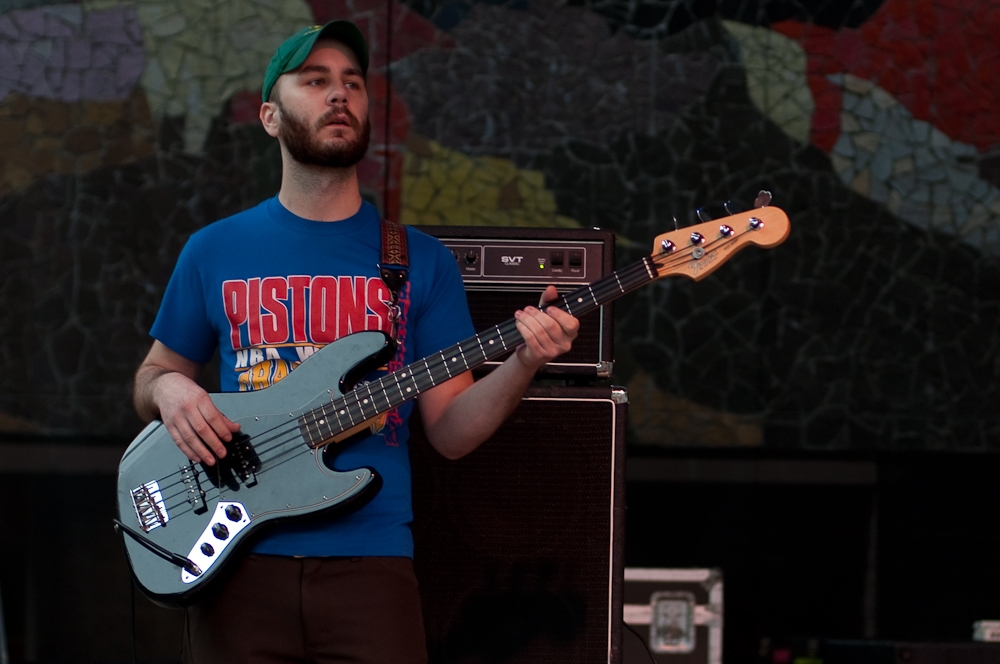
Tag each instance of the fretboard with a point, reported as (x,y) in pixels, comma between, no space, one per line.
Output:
(371,399)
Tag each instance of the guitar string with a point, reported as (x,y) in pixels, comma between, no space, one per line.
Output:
(290,432)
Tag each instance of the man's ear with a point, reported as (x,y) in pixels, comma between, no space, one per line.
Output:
(270,117)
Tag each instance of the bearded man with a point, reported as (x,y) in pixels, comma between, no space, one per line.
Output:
(268,287)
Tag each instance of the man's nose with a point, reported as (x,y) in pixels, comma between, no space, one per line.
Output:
(338,94)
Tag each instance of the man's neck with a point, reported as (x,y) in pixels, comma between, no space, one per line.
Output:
(320,194)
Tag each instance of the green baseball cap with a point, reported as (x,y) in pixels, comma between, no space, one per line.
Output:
(294,50)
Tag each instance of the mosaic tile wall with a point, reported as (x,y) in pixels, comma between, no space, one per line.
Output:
(127,124)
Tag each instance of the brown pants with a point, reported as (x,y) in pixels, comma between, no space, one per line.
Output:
(316,610)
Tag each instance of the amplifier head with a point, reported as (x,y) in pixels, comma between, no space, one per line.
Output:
(505,269)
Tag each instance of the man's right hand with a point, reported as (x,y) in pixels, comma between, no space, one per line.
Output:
(165,388)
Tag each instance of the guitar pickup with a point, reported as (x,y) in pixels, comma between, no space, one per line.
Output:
(243,459)
(149,506)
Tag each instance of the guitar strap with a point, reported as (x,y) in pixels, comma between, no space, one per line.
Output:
(394,268)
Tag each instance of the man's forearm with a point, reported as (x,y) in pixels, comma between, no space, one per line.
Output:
(459,414)
(142,394)
(476,413)
(159,362)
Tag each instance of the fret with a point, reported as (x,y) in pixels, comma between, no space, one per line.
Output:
(329,426)
(461,355)
(490,342)
(416,386)
(319,430)
(399,386)
(362,402)
(482,348)
(444,363)
(346,410)
(427,368)
(374,398)
(306,433)
(381,391)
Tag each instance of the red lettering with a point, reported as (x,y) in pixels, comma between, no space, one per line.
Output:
(298,286)
(234,300)
(253,311)
(353,308)
(274,324)
(378,298)
(323,310)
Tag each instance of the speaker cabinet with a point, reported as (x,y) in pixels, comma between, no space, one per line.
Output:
(519,545)
(505,269)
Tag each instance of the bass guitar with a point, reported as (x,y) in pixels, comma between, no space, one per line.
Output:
(181,522)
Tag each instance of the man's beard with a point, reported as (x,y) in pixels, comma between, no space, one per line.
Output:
(305,148)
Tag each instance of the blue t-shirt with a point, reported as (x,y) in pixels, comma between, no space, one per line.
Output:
(269,288)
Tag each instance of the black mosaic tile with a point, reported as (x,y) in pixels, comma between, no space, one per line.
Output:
(85,263)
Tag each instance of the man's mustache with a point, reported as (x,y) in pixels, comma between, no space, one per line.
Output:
(328,117)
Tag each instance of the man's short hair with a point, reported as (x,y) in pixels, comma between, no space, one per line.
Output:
(294,50)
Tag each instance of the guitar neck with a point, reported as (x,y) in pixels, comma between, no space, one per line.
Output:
(695,252)
(368,401)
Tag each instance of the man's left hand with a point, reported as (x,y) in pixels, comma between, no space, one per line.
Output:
(547,333)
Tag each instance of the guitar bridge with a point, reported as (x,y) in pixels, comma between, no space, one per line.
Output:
(149,507)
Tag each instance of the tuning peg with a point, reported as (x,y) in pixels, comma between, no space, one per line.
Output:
(763,199)
(732,208)
(703,214)
(676,225)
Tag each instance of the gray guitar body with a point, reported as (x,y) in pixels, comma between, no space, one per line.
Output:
(206,514)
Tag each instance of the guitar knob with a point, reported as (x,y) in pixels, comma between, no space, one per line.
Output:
(208,549)
(233,513)
(220,531)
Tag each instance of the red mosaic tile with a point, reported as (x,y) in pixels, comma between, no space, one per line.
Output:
(920,51)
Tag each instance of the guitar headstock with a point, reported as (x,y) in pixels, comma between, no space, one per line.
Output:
(696,251)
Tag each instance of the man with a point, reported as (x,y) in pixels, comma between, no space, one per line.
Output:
(269,286)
